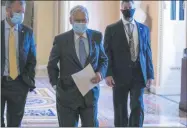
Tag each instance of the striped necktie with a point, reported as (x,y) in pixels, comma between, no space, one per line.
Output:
(130,28)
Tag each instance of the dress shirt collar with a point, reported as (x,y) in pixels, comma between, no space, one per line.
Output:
(127,22)
(77,36)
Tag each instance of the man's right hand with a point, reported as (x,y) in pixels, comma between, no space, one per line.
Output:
(110,81)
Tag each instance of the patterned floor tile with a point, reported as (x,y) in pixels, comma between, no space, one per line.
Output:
(158,111)
(40,109)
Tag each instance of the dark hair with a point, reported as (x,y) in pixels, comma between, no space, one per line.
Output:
(10,2)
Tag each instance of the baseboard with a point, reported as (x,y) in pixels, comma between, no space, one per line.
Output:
(41,71)
(183,106)
(153,89)
(165,90)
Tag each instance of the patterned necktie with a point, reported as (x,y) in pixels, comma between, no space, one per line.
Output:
(130,28)
(12,55)
(82,52)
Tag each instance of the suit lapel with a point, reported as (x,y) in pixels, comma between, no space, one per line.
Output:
(71,41)
(140,32)
(21,34)
(90,41)
(122,35)
(2,46)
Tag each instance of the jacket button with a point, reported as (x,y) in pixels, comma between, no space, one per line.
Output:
(130,66)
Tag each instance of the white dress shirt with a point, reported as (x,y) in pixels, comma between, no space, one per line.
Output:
(135,34)
(86,43)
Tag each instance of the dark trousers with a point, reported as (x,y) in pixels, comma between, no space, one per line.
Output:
(13,93)
(68,117)
(120,100)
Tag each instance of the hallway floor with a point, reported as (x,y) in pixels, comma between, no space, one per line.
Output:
(159,111)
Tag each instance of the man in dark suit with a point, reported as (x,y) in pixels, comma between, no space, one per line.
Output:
(18,61)
(74,50)
(130,68)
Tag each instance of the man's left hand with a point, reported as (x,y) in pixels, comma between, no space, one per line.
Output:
(149,83)
(97,78)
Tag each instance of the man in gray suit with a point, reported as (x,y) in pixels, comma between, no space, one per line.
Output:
(74,50)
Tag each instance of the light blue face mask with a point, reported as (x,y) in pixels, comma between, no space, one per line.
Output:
(17,18)
(80,27)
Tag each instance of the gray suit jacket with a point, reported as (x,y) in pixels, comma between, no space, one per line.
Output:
(63,51)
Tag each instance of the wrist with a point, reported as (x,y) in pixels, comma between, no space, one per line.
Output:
(100,75)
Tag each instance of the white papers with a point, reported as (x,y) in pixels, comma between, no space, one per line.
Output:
(83,79)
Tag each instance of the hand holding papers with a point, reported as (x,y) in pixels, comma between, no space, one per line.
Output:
(97,78)
(83,79)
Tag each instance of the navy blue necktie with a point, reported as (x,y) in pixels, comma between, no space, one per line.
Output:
(82,52)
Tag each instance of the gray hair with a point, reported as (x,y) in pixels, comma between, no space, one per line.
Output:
(79,8)
(122,1)
(10,2)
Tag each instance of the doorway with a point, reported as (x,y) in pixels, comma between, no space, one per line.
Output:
(171,45)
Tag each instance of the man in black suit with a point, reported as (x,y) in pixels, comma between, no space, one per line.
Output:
(74,50)
(18,61)
(127,44)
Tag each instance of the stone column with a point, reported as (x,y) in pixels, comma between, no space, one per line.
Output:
(183,97)
(28,21)
(45,30)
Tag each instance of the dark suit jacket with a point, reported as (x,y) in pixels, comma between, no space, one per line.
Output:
(118,51)
(27,54)
(63,51)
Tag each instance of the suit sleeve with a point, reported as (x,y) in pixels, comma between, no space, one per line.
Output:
(150,69)
(53,70)
(31,61)
(103,60)
(107,46)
